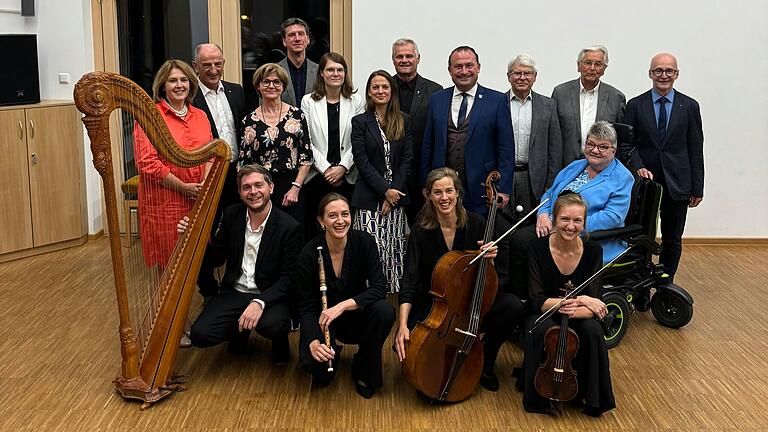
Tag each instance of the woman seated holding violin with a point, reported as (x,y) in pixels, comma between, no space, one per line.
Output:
(559,259)
(357,312)
(444,225)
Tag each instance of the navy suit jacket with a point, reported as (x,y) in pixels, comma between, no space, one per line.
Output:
(490,143)
(236,98)
(680,157)
(368,154)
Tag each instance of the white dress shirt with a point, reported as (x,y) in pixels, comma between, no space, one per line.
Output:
(222,115)
(588,109)
(246,283)
(521,113)
(456,103)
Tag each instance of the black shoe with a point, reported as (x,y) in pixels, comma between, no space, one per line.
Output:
(489,381)
(281,351)
(363,390)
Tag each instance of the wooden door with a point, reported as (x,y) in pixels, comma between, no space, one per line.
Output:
(15,211)
(55,147)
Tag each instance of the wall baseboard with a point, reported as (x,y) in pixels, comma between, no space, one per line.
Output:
(97,235)
(725,241)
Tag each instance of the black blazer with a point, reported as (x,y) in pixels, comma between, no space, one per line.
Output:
(368,154)
(423,89)
(236,99)
(276,260)
(680,157)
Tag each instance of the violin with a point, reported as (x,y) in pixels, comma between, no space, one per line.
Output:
(445,355)
(556,378)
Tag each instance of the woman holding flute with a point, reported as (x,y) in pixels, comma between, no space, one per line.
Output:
(357,313)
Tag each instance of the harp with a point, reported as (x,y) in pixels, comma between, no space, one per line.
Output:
(149,339)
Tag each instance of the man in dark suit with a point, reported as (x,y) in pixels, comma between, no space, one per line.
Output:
(585,100)
(414,92)
(669,148)
(259,243)
(301,70)
(538,142)
(224,104)
(468,129)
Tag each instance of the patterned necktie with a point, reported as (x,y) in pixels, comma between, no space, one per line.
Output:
(662,118)
(462,111)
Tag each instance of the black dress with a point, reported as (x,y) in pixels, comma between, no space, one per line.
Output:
(368,326)
(591,361)
(425,248)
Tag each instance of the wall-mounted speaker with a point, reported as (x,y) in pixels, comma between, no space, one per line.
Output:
(27,7)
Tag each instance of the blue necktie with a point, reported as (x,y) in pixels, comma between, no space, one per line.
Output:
(462,110)
(662,118)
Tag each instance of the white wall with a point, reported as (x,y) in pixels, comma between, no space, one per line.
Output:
(64,44)
(721,51)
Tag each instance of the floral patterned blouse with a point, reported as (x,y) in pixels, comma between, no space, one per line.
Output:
(281,148)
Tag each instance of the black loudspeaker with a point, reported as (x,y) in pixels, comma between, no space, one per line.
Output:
(19,80)
(27,7)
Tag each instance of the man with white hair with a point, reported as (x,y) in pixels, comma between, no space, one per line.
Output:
(585,100)
(538,141)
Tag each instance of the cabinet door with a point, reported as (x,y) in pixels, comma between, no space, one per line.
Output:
(15,212)
(54,173)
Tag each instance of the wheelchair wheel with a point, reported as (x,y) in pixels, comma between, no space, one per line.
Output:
(670,309)
(616,322)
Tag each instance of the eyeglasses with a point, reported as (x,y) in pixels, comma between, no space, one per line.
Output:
(658,72)
(596,64)
(273,83)
(527,74)
(332,71)
(602,148)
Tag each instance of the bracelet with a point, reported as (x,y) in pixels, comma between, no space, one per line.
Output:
(297,184)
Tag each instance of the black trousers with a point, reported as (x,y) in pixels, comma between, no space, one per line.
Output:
(283,182)
(206,280)
(217,322)
(498,325)
(518,259)
(673,215)
(591,364)
(368,328)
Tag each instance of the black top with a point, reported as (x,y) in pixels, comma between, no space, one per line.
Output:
(276,260)
(545,279)
(334,137)
(361,278)
(405,93)
(425,248)
(298,79)
(283,148)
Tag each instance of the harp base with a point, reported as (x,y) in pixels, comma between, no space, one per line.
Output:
(137,389)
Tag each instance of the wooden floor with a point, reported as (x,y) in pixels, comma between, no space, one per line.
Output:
(59,353)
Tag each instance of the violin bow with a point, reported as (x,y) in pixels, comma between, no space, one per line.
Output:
(509,231)
(577,290)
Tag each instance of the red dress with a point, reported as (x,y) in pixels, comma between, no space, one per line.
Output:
(160,208)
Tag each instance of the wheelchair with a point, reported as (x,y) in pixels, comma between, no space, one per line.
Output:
(635,282)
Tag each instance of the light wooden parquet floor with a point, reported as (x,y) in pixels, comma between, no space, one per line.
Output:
(59,352)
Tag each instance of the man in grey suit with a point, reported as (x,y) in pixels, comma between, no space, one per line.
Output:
(301,70)
(414,92)
(585,100)
(538,142)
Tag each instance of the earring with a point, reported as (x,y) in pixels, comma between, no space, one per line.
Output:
(322,227)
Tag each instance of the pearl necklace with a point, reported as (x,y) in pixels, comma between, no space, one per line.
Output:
(181,113)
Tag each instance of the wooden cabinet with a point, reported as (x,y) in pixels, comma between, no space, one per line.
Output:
(42,184)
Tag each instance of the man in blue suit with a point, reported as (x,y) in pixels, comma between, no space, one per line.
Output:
(469,129)
(668,148)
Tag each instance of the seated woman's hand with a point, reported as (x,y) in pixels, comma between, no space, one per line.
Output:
(330,314)
(543,225)
(191,190)
(492,252)
(182,226)
(402,338)
(595,305)
(320,351)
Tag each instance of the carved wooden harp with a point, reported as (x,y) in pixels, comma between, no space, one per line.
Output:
(148,361)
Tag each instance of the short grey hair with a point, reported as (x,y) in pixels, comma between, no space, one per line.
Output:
(603,130)
(522,60)
(593,48)
(405,41)
(200,46)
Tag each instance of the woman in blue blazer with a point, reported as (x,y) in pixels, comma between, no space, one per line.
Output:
(601,180)
(382,151)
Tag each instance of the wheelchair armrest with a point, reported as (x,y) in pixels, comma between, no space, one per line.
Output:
(616,233)
(646,242)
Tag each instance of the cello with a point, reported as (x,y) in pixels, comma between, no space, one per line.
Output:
(445,355)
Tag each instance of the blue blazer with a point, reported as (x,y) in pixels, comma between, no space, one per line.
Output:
(607,196)
(490,143)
